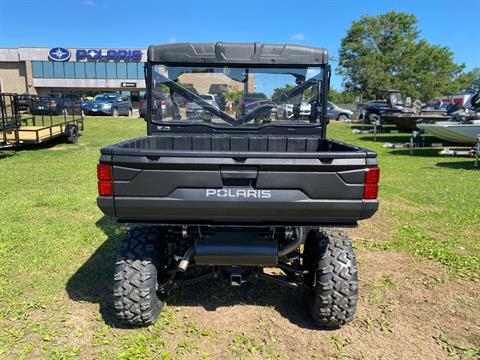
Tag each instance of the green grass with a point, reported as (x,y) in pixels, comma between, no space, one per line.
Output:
(55,244)
(430,205)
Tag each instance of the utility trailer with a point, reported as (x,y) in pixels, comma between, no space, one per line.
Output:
(56,118)
(227,198)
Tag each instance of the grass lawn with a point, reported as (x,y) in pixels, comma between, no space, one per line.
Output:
(57,253)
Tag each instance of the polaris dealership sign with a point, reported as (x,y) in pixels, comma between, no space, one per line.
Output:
(62,54)
(59,54)
(115,55)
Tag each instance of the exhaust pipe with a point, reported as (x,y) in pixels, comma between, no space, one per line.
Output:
(187,257)
(292,245)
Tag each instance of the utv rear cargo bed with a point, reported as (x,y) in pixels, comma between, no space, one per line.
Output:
(237,178)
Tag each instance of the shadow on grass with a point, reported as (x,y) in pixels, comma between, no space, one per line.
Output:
(420,152)
(382,138)
(7,153)
(93,282)
(465,165)
(361,126)
(61,140)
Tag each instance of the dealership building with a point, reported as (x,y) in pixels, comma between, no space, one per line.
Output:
(86,72)
(76,71)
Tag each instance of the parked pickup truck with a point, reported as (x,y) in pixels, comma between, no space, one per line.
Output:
(240,193)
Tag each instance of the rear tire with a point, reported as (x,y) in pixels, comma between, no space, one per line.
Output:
(333,277)
(72,136)
(135,283)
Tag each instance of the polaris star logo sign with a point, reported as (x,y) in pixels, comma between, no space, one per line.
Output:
(59,54)
(239,193)
(115,55)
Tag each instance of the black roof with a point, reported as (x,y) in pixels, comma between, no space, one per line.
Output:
(237,53)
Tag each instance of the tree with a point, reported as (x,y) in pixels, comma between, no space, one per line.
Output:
(277,92)
(340,97)
(232,97)
(385,51)
(474,83)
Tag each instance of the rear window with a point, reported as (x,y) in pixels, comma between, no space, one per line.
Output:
(247,96)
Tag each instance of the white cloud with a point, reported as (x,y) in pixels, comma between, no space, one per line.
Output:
(299,36)
(172,39)
(88,3)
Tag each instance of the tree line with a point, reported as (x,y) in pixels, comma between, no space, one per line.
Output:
(387,52)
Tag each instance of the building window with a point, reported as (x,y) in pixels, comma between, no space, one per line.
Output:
(48,69)
(79,70)
(131,70)
(101,70)
(122,70)
(58,71)
(90,70)
(111,70)
(37,69)
(69,68)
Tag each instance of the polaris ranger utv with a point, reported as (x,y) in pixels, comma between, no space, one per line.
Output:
(234,196)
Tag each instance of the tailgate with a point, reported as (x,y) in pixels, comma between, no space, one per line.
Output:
(292,190)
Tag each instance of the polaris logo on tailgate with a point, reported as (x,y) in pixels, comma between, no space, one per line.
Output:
(239,193)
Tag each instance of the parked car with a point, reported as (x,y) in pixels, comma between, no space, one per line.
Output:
(297,111)
(109,104)
(142,108)
(196,111)
(337,113)
(24,102)
(48,105)
(219,91)
(249,102)
(162,100)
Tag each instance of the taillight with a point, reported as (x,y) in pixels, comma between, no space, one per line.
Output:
(105,188)
(104,176)
(164,104)
(142,103)
(372,178)
(104,172)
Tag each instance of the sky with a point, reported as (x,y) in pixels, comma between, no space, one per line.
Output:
(140,23)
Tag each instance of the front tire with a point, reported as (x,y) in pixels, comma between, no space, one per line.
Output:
(333,277)
(135,283)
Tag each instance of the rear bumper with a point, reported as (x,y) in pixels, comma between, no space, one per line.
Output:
(181,211)
(97,112)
